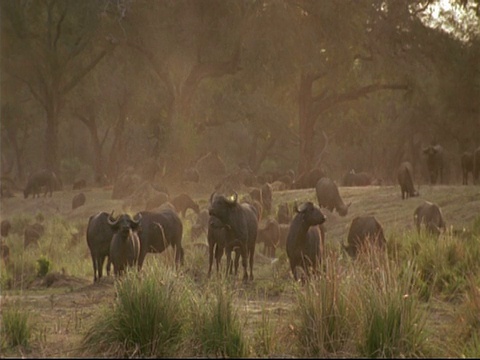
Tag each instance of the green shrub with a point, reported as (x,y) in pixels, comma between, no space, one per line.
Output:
(43,266)
(391,321)
(217,328)
(323,313)
(15,327)
(146,319)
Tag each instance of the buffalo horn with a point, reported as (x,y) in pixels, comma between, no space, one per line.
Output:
(235,197)
(302,207)
(136,219)
(111,220)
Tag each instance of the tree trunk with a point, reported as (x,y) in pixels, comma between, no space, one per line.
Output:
(306,124)
(51,141)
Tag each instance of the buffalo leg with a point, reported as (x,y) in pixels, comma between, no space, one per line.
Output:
(210,259)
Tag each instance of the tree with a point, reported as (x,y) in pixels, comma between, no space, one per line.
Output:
(49,46)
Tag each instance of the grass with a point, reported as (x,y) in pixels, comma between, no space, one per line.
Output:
(419,299)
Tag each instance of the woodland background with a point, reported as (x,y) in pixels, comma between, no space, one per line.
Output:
(96,86)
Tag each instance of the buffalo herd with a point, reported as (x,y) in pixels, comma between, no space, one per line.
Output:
(233,225)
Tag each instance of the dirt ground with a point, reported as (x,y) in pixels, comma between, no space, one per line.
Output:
(63,306)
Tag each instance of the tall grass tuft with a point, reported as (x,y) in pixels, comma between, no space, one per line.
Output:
(391,320)
(15,328)
(146,319)
(217,327)
(324,313)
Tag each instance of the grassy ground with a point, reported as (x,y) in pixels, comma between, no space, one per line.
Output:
(62,311)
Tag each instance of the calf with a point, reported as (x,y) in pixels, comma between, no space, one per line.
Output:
(125,244)
(305,240)
(364,231)
(405,180)
(430,215)
(284,215)
(269,234)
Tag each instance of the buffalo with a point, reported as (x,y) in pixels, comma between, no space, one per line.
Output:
(99,235)
(263,195)
(305,239)
(329,197)
(476,165)
(405,180)
(467,166)
(79,184)
(242,221)
(78,200)
(364,230)
(216,237)
(125,244)
(435,160)
(353,178)
(269,234)
(430,215)
(159,230)
(32,234)
(5,227)
(4,252)
(308,179)
(183,202)
(284,215)
(43,178)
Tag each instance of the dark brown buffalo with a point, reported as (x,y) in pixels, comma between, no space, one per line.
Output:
(364,231)
(429,215)
(329,197)
(4,252)
(269,234)
(476,166)
(216,236)
(242,221)
(308,179)
(467,166)
(183,202)
(99,235)
(405,180)
(435,164)
(42,179)
(160,229)
(353,178)
(78,200)
(125,245)
(305,239)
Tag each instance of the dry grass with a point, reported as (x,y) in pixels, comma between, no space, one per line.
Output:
(62,312)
